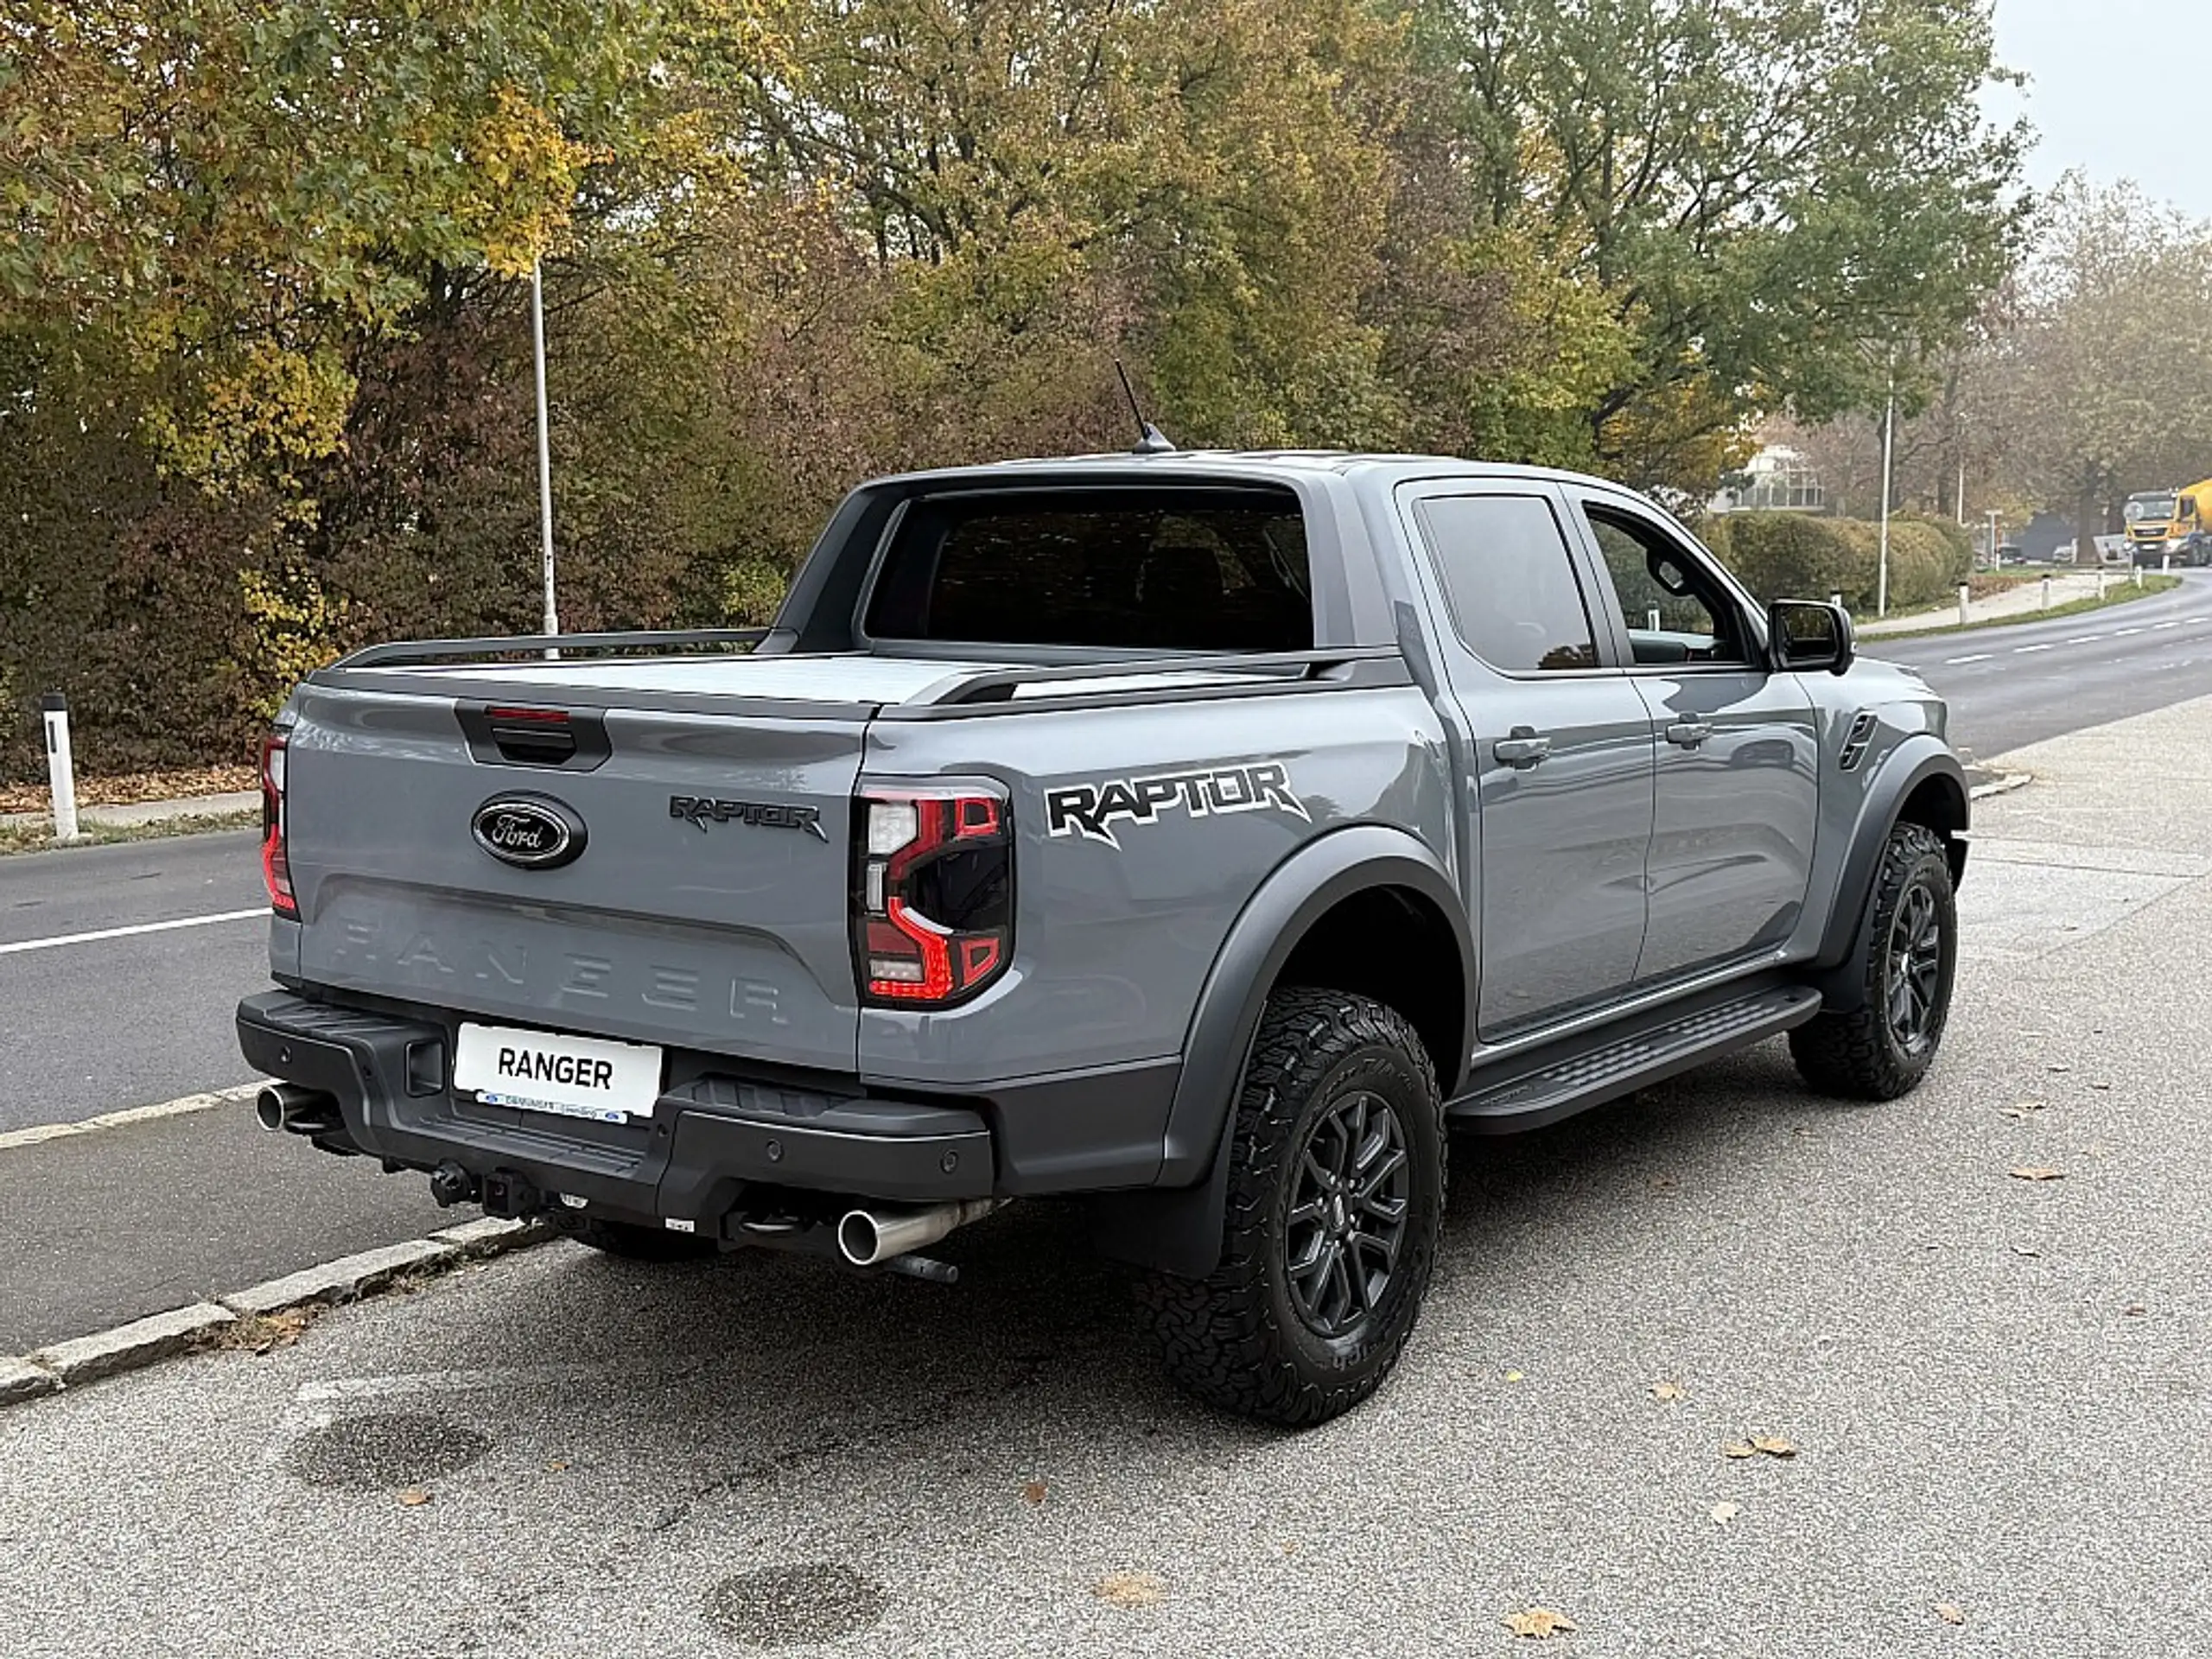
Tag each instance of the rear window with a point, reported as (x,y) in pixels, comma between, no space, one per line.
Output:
(1138,569)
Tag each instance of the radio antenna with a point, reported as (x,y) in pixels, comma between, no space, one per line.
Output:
(1151,441)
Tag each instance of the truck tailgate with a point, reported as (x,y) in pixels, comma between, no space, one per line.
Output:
(721,927)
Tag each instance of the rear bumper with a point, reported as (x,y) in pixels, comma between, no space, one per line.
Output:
(713,1138)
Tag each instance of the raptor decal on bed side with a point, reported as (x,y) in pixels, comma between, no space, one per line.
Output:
(1092,809)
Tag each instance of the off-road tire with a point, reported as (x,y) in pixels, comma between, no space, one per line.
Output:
(635,1244)
(1857,1055)
(1237,1338)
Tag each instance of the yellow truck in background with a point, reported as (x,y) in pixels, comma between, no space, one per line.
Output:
(2174,525)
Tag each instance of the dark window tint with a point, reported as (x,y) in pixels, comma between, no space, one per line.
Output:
(1142,569)
(1675,611)
(1509,581)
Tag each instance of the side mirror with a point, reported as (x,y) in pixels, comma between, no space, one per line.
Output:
(1808,634)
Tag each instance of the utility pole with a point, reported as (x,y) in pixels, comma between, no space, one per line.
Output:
(1889,447)
(544,447)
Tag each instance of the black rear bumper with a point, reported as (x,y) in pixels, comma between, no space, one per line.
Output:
(713,1140)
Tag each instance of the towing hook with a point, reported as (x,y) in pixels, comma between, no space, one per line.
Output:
(450,1185)
(289,1108)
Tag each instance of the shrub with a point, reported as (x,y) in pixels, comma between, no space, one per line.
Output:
(1792,555)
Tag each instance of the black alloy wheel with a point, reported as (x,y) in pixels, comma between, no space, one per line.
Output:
(1347,1220)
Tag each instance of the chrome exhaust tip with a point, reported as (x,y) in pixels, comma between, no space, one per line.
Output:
(868,1238)
(286,1106)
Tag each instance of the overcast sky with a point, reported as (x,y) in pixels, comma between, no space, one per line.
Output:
(2122,88)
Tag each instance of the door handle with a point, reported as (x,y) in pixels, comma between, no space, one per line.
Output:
(1522,748)
(1689,733)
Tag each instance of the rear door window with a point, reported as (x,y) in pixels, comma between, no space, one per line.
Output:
(1152,570)
(1509,581)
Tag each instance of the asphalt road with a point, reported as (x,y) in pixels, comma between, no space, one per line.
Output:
(2016,685)
(120,967)
(1996,1388)
(97,1024)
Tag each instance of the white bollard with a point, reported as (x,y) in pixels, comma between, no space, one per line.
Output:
(1963,591)
(1652,620)
(2046,593)
(2138,574)
(2101,583)
(2165,563)
(1835,599)
(60,769)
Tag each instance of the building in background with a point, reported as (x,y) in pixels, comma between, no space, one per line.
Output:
(1776,479)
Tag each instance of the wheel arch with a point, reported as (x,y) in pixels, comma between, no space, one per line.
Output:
(1922,784)
(1365,886)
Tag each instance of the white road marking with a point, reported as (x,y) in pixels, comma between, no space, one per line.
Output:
(2122,633)
(2017,649)
(1978,657)
(2083,639)
(133,931)
(2165,625)
(39,1131)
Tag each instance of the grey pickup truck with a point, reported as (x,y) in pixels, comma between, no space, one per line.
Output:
(1197,837)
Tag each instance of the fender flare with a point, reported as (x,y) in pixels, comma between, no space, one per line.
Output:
(1913,763)
(1176,1225)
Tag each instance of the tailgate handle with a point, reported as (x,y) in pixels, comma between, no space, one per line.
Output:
(512,735)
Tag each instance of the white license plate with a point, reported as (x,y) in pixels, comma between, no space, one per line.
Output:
(545,1071)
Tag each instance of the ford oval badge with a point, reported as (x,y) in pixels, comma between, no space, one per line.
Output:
(531,831)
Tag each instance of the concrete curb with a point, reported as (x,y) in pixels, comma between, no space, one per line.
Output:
(129,1347)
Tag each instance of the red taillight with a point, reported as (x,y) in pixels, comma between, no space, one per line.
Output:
(276,864)
(933,894)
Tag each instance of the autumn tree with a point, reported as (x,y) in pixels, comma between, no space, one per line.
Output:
(2105,386)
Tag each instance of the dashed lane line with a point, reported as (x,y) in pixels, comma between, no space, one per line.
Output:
(2019,650)
(1978,657)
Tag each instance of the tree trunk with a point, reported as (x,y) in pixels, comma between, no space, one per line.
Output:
(2085,523)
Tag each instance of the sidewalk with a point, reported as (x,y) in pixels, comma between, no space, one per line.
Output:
(2024,600)
(143,812)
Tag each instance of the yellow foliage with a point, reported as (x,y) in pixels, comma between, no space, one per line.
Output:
(522,182)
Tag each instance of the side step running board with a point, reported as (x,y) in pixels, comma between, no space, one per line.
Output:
(1533,1099)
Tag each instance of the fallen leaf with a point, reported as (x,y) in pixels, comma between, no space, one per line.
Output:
(1740,1449)
(1131,1589)
(2133,1311)
(2021,1109)
(2035,1173)
(556,1464)
(1724,1513)
(2095,1149)
(1774,1446)
(1669,1392)
(1950,1612)
(413,1497)
(1032,1491)
(2059,1065)
(2025,1249)
(1513,1376)
(1662,1183)
(1541,1623)
(2101,1085)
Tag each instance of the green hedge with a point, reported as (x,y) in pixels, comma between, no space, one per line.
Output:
(1792,555)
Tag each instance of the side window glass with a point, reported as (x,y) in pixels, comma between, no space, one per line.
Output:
(1675,612)
(1509,581)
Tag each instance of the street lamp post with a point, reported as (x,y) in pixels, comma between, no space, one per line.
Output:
(544,449)
(1889,448)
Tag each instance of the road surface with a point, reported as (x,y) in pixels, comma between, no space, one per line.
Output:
(2016,685)
(1996,1388)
